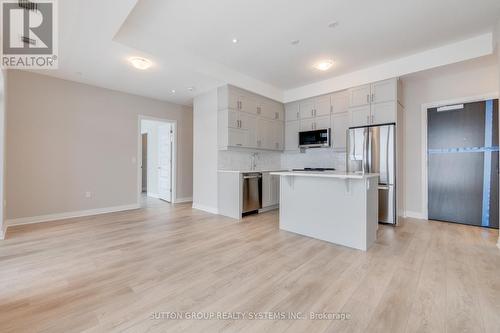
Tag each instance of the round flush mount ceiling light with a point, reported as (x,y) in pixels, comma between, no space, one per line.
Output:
(140,63)
(235,40)
(172,91)
(324,65)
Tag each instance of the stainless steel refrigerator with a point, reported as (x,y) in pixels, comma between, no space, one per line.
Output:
(372,149)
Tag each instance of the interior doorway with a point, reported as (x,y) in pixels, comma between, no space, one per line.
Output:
(156,159)
(463,163)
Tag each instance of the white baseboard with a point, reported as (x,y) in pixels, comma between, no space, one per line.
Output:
(415,215)
(267,209)
(69,215)
(182,200)
(204,208)
(3,231)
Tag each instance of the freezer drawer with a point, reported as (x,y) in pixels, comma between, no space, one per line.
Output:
(386,204)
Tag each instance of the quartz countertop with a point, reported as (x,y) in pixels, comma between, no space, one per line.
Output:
(250,171)
(325,174)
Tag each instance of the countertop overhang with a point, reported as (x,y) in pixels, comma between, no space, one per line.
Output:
(325,174)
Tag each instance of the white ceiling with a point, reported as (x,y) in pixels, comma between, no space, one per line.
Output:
(189,41)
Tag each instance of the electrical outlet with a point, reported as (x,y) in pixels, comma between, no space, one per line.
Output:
(88,194)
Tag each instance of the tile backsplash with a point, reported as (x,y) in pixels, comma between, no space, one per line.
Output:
(242,160)
(319,158)
(314,158)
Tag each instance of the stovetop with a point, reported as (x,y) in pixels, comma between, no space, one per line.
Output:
(315,169)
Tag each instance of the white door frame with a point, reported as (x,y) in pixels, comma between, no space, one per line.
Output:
(174,155)
(425,107)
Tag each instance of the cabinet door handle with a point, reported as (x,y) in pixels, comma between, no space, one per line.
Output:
(373,98)
(298,117)
(312,112)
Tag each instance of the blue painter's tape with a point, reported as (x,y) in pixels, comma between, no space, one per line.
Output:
(488,141)
(464,150)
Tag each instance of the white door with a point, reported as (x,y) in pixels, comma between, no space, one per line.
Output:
(165,162)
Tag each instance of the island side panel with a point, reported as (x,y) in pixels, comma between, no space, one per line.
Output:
(371,211)
(329,209)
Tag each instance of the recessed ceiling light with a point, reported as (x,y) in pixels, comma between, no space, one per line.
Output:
(295,42)
(140,63)
(333,24)
(324,65)
(172,91)
(235,40)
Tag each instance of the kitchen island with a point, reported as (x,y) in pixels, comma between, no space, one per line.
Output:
(337,207)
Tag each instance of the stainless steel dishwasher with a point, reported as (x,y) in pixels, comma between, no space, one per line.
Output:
(252,192)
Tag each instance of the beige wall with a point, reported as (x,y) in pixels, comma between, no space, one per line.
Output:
(65,138)
(2,150)
(466,79)
(205,152)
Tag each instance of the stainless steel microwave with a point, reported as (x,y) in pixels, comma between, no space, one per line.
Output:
(315,139)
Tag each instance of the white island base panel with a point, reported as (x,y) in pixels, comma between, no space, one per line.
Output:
(338,210)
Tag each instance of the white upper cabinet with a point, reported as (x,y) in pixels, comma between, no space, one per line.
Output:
(292,112)
(359,116)
(384,91)
(315,107)
(384,113)
(340,101)
(292,135)
(306,109)
(322,106)
(307,125)
(248,120)
(378,106)
(359,96)
(340,124)
(322,122)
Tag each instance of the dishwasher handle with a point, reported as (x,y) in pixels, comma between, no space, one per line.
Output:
(252,177)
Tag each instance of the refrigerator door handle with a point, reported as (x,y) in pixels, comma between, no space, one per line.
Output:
(387,155)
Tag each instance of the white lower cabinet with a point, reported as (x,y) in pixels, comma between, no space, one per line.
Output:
(270,190)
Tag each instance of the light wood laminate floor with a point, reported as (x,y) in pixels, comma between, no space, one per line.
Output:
(111,273)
